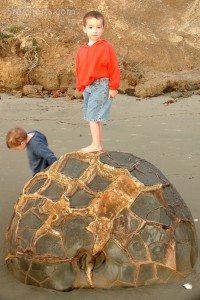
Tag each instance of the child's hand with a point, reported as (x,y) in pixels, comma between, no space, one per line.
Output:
(112,93)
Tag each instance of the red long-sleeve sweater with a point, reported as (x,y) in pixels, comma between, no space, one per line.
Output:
(95,62)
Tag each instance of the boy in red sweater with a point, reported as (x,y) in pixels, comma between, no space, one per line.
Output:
(97,75)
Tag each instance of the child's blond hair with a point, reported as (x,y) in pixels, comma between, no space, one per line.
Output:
(15,137)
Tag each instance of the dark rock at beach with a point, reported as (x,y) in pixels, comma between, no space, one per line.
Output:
(103,220)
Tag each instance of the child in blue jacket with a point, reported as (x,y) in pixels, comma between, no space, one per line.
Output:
(39,155)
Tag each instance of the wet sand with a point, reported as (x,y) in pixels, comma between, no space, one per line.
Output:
(167,136)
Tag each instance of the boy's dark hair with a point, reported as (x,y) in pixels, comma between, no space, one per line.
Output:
(15,137)
(93,14)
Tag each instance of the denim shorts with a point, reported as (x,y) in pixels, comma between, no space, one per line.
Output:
(96,103)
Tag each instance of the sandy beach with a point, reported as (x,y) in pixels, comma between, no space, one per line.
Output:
(166,135)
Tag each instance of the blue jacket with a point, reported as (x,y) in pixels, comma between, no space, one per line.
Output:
(39,155)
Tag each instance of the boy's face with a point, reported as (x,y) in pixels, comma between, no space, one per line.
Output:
(94,29)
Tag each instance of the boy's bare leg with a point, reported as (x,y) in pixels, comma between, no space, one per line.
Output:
(95,128)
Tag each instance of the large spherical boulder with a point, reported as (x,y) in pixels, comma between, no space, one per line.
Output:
(100,220)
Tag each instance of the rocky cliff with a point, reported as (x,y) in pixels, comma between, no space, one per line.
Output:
(157,43)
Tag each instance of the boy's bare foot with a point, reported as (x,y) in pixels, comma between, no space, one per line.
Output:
(91,149)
